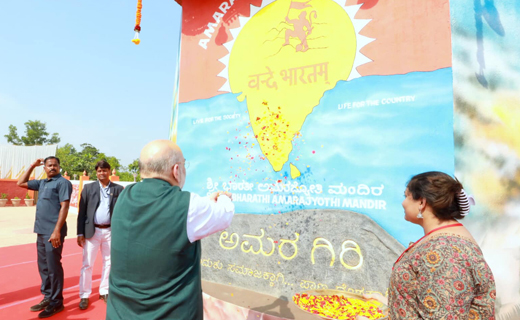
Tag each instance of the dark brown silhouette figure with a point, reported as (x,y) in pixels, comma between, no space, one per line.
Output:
(302,29)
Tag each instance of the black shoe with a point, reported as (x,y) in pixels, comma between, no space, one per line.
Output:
(83,303)
(104,297)
(42,305)
(50,311)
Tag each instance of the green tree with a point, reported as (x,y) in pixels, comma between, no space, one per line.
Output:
(67,155)
(35,134)
(75,162)
(134,169)
(125,176)
(134,166)
(127,173)
(12,136)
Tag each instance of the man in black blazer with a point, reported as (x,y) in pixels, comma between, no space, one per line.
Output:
(95,213)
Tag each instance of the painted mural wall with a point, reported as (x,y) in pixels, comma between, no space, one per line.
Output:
(486,72)
(314,114)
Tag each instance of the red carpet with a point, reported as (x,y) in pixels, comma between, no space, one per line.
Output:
(20,284)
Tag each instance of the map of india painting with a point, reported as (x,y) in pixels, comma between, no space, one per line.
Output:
(316,99)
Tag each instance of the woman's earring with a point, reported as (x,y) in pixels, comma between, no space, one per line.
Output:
(420,216)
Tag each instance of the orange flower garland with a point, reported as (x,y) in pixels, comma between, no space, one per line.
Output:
(337,307)
(137,28)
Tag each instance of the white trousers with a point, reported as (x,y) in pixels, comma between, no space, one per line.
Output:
(101,239)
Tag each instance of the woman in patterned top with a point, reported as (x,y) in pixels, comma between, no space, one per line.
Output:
(442,275)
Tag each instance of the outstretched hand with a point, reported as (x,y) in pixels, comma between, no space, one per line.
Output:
(214,196)
(227,194)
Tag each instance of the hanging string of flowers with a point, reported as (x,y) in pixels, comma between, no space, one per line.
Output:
(137,28)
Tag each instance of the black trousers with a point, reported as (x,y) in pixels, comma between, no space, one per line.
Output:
(50,268)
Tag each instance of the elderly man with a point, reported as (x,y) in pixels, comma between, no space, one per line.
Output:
(156,232)
(94,232)
(50,225)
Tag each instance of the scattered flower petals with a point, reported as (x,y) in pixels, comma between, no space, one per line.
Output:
(337,307)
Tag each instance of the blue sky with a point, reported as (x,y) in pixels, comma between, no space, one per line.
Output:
(72,65)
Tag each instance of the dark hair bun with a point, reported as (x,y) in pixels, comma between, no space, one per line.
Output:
(440,191)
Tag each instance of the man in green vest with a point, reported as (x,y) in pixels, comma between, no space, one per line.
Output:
(156,232)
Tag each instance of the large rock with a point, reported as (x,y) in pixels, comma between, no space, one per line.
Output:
(308,249)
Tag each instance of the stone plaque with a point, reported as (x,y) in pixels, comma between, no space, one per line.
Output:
(284,254)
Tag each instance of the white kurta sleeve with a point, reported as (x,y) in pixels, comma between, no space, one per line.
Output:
(206,217)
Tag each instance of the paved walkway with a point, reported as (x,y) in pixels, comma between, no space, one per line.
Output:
(19,278)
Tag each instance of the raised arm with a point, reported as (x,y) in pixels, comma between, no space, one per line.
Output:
(22,181)
(207,215)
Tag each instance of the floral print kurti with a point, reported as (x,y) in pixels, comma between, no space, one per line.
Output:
(445,277)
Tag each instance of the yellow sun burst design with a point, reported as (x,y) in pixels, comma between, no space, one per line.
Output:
(283,58)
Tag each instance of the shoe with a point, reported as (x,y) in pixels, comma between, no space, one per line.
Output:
(42,305)
(50,311)
(103,297)
(83,303)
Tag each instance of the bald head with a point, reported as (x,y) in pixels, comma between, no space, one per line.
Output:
(158,158)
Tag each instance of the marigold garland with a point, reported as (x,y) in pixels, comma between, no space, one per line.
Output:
(137,28)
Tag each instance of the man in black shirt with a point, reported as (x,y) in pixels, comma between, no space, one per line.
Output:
(50,225)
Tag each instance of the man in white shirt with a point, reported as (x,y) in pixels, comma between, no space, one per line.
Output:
(94,230)
(156,247)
